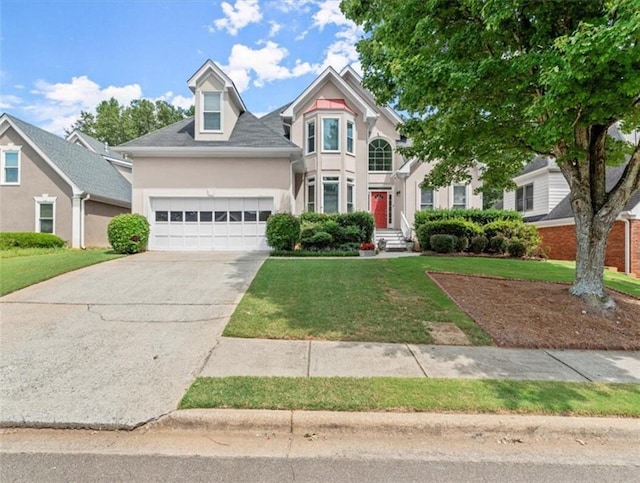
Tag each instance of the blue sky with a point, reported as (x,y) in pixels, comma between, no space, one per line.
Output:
(58,57)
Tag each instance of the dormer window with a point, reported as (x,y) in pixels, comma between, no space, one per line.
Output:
(212,111)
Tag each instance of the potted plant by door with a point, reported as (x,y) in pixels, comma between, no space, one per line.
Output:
(367,249)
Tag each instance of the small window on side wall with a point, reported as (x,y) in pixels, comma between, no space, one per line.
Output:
(311,137)
(45,214)
(427,199)
(459,196)
(10,166)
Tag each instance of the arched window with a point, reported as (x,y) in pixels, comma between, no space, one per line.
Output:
(380,155)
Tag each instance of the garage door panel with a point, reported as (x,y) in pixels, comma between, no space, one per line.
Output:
(209,223)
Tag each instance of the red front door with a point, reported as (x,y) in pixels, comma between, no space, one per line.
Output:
(380,207)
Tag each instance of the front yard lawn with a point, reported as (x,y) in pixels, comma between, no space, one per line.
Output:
(383,300)
(351,300)
(23,267)
(409,394)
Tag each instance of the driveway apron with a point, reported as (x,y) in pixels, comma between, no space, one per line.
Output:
(116,344)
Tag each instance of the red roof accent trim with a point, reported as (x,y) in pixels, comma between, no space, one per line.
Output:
(330,104)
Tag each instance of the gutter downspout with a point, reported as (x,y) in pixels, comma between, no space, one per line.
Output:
(291,194)
(82,223)
(627,243)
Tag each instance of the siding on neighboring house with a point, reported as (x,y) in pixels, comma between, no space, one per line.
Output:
(559,243)
(37,178)
(558,189)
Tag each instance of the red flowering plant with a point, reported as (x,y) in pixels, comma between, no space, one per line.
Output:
(367,246)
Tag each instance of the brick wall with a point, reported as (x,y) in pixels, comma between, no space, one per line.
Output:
(559,243)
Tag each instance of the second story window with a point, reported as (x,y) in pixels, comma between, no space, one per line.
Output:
(380,155)
(350,130)
(211,111)
(10,165)
(330,134)
(524,198)
(311,137)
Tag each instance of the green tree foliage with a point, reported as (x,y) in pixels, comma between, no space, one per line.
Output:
(116,124)
(499,81)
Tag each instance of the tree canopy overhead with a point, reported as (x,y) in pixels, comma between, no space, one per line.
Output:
(115,124)
(499,81)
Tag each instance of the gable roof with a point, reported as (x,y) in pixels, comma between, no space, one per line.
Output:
(210,67)
(273,120)
(96,146)
(249,132)
(83,169)
(330,74)
(563,209)
(535,164)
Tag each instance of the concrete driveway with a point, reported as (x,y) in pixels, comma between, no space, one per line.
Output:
(116,344)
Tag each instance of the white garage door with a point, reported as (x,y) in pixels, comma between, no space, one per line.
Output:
(209,223)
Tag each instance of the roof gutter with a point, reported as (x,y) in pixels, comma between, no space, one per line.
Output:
(208,151)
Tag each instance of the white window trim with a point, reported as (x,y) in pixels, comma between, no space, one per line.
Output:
(390,145)
(322,137)
(311,182)
(466,195)
(10,149)
(524,198)
(419,198)
(338,182)
(306,137)
(44,199)
(202,112)
(351,183)
(353,137)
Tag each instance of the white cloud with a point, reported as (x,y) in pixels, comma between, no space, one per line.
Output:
(328,14)
(265,63)
(287,6)
(275,28)
(8,101)
(57,106)
(177,101)
(237,16)
(343,51)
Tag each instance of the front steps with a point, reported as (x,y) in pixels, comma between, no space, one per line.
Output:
(394,238)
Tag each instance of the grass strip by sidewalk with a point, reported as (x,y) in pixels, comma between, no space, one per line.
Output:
(415,395)
(20,269)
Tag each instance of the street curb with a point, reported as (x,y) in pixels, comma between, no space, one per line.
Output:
(429,424)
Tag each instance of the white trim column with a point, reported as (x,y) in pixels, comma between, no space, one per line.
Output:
(76,220)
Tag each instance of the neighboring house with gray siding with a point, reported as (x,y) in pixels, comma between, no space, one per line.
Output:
(51,185)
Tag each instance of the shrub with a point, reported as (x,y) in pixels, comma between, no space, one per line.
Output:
(315,218)
(443,243)
(30,240)
(283,231)
(321,240)
(128,233)
(479,244)
(462,244)
(361,219)
(456,226)
(498,244)
(515,230)
(481,217)
(314,253)
(516,249)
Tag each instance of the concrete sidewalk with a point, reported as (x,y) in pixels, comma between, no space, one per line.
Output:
(264,357)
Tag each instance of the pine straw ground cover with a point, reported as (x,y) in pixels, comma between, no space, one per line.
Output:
(536,314)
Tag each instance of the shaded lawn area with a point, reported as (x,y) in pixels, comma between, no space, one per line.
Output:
(21,268)
(348,300)
(410,394)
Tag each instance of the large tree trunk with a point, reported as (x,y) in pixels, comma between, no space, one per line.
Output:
(594,209)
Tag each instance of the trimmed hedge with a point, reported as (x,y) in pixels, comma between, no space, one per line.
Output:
(443,243)
(479,244)
(283,231)
(128,233)
(481,217)
(458,227)
(30,240)
(314,253)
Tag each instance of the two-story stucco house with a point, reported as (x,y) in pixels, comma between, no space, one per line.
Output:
(211,181)
(51,185)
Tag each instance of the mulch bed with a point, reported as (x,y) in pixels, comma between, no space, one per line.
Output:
(542,314)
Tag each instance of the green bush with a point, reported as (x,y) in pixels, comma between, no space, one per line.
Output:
(361,219)
(516,249)
(128,233)
(322,240)
(462,244)
(283,231)
(314,253)
(443,243)
(479,244)
(456,226)
(315,218)
(481,217)
(514,230)
(30,240)
(498,244)
(313,237)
